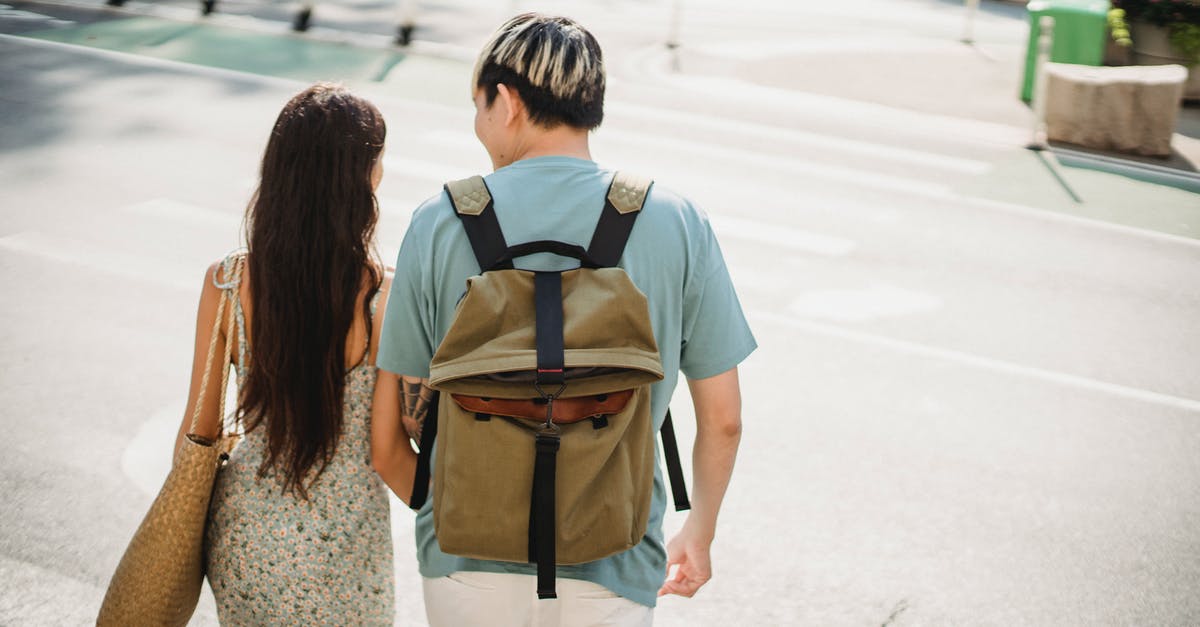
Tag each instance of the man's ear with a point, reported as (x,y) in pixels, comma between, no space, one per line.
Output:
(514,108)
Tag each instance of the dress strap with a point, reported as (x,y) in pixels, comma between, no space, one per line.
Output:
(375,302)
(230,280)
(371,327)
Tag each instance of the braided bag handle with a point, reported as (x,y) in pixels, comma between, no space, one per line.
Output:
(159,578)
(227,294)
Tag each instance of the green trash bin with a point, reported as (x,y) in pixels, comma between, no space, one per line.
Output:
(1080,29)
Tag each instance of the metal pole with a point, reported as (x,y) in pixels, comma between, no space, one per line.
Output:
(304,17)
(408,22)
(1045,42)
(969,25)
(673,27)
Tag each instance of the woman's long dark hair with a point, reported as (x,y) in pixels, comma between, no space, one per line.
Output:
(309,231)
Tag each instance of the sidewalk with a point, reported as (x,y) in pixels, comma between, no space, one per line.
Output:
(926,68)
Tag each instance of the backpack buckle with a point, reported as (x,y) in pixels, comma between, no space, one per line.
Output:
(548,437)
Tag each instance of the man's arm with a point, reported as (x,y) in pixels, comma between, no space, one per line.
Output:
(400,406)
(718,403)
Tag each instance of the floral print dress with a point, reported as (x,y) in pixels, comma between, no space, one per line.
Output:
(274,558)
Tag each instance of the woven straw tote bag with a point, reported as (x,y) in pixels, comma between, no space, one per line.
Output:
(159,578)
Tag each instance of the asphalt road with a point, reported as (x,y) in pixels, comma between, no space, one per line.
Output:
(969,407)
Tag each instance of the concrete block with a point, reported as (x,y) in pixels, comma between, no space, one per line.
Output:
(1127,109)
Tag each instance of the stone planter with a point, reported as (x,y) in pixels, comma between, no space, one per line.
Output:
(1152,46)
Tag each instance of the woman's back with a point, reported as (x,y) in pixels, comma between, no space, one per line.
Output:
(298,526)
(275,556)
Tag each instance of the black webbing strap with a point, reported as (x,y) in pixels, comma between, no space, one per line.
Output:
(482,225)
(548,321)
(622,205)
(541,513)
(674,466)
(561,249)
(420,490)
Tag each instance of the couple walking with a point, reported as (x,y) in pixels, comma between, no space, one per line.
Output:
(332,354)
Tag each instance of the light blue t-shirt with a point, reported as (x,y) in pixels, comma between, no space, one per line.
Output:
(672,257)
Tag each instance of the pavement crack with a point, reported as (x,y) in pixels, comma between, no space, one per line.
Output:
(896,611)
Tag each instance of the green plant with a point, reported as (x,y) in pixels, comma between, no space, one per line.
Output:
(1118,27)
(1185,38)
(1181,18)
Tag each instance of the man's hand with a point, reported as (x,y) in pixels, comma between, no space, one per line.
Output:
(689,553)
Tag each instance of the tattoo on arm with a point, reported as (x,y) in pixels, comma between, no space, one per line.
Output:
(415,396)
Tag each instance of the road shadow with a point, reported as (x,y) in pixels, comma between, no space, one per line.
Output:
(53,93)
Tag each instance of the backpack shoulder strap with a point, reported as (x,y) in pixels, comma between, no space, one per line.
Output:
(624,201)
(472,202)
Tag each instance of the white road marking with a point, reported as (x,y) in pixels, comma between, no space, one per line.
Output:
(97,258)
(976,361)
(654,65)
(803,139)
(146,460)
(742,50)
(642,144)
(7,12)
(874,302)
(423,169)
(459,139)
(782,236)
(154,62)
(182,213)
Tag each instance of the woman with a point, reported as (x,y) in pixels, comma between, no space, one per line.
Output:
(298,529)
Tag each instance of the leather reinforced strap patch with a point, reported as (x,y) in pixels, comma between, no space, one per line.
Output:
(470,195)
(628,192)
(566,410)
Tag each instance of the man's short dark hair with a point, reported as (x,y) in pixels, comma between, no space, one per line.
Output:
(553,63)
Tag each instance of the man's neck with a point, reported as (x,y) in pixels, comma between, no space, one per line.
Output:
(561,141)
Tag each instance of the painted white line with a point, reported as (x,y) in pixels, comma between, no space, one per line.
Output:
(181,213)
(7,12)
(146,459)
(653,64)
(163,64)
(758,161)
(757,50)
(87,255)
(432,171)
(803,139)
(971,202)
(874,302)
(782,236)
(460,140)
(976,361)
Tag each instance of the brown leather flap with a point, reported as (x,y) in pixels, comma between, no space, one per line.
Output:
(566,410)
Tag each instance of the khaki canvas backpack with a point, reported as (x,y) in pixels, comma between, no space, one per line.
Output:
(544,449)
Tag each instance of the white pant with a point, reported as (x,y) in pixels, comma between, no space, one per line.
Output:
(466,599)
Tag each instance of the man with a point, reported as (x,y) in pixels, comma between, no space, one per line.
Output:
(538,88)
